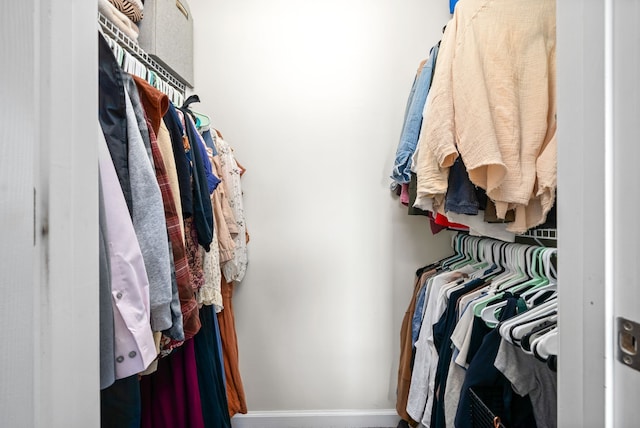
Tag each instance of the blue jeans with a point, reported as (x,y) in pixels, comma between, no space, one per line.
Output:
(413,120)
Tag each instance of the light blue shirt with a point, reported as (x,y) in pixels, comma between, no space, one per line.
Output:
(413,120)
(418,314)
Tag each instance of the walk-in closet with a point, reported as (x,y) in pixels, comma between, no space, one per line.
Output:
(301,214)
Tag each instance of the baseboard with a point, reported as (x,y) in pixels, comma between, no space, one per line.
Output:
(318,419)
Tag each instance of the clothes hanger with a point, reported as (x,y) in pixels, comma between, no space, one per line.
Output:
(491,310)
(532,279)
(494,248)
(519,266)
(490,313)
(466,253)
(549,282)
(516,335)
(472,257)
(479,248)
(506,260)
(546,345)
(459,244)
(523,333)
(537,312)
(534,271)
(494,295)
(546,308)
(529,339)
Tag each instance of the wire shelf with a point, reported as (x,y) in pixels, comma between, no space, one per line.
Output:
(542,233)
(135,50)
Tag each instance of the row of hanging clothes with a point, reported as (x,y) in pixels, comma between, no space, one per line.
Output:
(173,245)
(477,150)
(480,333)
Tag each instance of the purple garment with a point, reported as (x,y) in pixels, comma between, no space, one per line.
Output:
(171,395)
(435,227)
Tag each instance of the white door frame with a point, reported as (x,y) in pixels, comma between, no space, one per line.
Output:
(623,201)
(49,358)
(584,213)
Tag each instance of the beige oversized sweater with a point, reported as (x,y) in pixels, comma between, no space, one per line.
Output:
(493,102)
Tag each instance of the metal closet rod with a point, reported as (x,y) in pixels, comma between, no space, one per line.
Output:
(133,48)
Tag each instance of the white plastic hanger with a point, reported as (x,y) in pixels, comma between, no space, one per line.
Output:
(547,344)
(520,330)
(547,307)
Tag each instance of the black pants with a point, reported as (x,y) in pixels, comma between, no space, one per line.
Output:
(120,404)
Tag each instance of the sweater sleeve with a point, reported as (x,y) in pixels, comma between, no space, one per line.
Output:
(150,225)
(437,150)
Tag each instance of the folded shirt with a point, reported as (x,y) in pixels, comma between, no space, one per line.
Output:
(131,8)
(118,19)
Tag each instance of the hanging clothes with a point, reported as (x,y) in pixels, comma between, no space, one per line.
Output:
(235,269)
(180,145)
(134,346)
(203,214)
(503,127)
(164,360)
(453,312)
(107,334)
(532,377)
(235,389)
(112,114)
(407,344)
(211,372)
(413,118)
(485,378)
(120,404)
(171,396)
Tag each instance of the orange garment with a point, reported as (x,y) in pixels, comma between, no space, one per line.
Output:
(235,390)
(154,102)
(406,351)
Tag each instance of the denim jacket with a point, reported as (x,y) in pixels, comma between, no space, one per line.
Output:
(413,120)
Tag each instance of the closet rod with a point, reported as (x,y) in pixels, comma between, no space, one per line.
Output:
(133,48)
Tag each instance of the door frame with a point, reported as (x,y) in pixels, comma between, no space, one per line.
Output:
(584,52)
(49,364)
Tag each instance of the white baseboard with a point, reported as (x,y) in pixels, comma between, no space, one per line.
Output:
(317,419)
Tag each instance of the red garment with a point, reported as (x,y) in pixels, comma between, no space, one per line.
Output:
(188,304)
(444,221)
(171,395)
(435,227)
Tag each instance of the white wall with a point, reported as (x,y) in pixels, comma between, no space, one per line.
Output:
(312,95)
